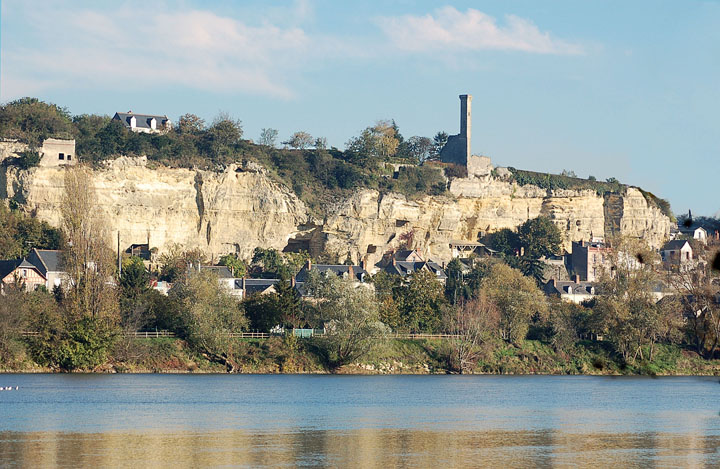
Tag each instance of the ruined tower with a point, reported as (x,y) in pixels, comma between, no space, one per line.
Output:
(458,148)
(466,122)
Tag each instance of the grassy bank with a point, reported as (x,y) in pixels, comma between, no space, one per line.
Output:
(398,356)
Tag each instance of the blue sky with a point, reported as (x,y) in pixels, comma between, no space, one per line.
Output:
(613,89)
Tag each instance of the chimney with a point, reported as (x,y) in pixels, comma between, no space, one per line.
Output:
(554,282)
(242,285)
(351,274)
(576,278)
(363,264)
(582,243)
(292,281)
(308,265)
(393,260)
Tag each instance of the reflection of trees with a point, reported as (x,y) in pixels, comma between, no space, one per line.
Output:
(369,447)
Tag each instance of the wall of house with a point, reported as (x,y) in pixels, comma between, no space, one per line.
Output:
(52,149)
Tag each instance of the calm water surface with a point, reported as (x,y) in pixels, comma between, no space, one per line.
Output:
(358,421)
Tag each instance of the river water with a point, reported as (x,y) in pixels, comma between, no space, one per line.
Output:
(180,421)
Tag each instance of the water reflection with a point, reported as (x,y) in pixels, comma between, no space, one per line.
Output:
(369,447)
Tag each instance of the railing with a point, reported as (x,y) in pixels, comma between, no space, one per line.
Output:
(149,334)
(264,335)
(424,336)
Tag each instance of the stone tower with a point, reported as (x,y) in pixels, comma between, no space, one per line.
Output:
(466,121)
(458,149)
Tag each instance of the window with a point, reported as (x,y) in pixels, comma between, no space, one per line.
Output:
(68,157)
(61,156)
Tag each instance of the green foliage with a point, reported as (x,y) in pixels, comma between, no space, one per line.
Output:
(517,298)
(539,237)
(505,241)
(237,266)
(32,121)
(29,159)
(416,180)
(662,204)
(558,181)
(66,342)
(420,301)
(210,315)
(350,316)
(269,263)
(20,233)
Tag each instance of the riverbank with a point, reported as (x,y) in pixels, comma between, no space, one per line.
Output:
(398,356)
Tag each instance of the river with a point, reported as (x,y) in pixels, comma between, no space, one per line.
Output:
(138,421)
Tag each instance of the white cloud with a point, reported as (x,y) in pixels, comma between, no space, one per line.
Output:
(452,30)
(148,48)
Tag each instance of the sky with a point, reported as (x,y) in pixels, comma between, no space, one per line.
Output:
(611,89)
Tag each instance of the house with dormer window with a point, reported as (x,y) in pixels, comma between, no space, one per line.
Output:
(144,123)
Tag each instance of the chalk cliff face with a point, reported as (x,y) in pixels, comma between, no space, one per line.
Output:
(242,208)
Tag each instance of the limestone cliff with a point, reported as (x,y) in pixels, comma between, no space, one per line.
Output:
(241,208)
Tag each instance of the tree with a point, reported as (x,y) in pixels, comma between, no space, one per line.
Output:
(473,323)
(517,298)
(420,302)
(134,298)
(299,140)
(176,262)
(420,149)
(13,318)
(349,314)
(32,121)
(321,143)
(190,124)
(375,144)
(539,237)
(506,241)
(625,307)
(439,141)
(237,266)
(210,316)
(88,261)
(268,137)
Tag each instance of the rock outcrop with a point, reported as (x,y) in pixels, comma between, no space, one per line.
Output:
(241,208)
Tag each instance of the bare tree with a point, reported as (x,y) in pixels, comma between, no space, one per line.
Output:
(268,137)
(299,140)
(87,258)
(472,323)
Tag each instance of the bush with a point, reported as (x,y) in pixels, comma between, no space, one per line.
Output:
(29,159)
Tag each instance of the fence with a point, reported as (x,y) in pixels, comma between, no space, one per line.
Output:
(300,333)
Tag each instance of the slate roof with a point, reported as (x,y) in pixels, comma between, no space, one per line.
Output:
(141,120)
(339,270)
(404,268)
(674,245)
(568,286)
(256,285)
(6,267)
(46,260)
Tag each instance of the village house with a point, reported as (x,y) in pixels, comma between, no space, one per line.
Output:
(248,287)
(677,255)
(467,249)
(572,291)
(588,259)
(40,268)
(144,123)
(407,262)
(57,152)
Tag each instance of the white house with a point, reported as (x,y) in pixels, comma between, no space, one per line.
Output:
(144,123)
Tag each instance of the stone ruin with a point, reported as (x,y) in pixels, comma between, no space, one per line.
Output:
(458,148)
